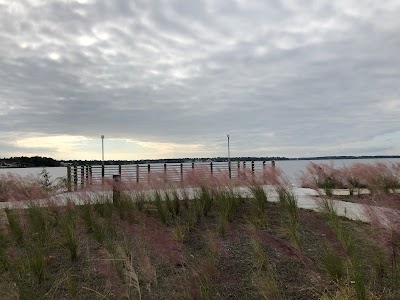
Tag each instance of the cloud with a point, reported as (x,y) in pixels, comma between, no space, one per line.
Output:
(281,78)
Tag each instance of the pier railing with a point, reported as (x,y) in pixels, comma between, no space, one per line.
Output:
(85,175)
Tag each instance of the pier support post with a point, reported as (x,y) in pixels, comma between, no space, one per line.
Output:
(75,178)
(69,179)
(181,172)
(116,188)
(102,174)
(87,175)
(82,176)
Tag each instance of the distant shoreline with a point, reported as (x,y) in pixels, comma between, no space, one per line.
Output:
(38,162)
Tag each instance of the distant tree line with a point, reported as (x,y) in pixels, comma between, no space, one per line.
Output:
(170,160)
(35,161)
(38,161)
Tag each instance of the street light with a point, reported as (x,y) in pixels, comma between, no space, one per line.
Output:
(102,150)
(229,154)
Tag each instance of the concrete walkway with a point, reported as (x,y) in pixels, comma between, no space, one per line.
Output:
(306,199)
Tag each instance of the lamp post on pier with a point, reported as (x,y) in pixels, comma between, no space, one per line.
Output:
(229,157)
(102,150)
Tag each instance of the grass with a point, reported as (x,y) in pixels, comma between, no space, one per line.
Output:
(258,217)
(175,247)
(38,221)
(14,225)
(288,202)
(334,264)
(227,203)
(377,178)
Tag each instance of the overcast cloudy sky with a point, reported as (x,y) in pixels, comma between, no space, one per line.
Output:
(171,78)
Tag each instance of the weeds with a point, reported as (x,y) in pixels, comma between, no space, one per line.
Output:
(267,286)
(125,263)
(68,231)
(72,285)
(4,261)
(39,224)
(288,202)
(14,225)
(127,207)
(260,257)
(161,211)
(104,206)
(205,200)
(36,263)
(227,203)
(258,206)
(334,264)
(179,229)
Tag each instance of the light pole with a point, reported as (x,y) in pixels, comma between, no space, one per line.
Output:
(229,156)
(102,150)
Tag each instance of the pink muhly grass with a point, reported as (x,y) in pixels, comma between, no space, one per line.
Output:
(320,176)
(155,236)
(323,229)
(378,177)
(387,225)
(215,245)
(103,264)
(18,188)
(284,248)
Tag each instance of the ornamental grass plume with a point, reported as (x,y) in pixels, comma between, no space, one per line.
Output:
(321,176)
(17,188)
(387,231)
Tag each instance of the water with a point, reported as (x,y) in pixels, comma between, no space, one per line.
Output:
(291,168)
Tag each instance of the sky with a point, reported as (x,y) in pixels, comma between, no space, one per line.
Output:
(170,79)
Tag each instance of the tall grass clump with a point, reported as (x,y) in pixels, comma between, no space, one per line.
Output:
(161,209)
(69,233)
(4,261)
(264,276)
(334,221)
(72,285)
(36,262)
(87,215)
(205,200)
(288,202)
(334,264)
(103,205)
(128,205)
(321,176)
(140,200)
(227,203)
(268,286)
(17,188)
(355,265)
(260,257)
(39,222)
(258,205)
(377,178)
(14,225)
(123,259)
